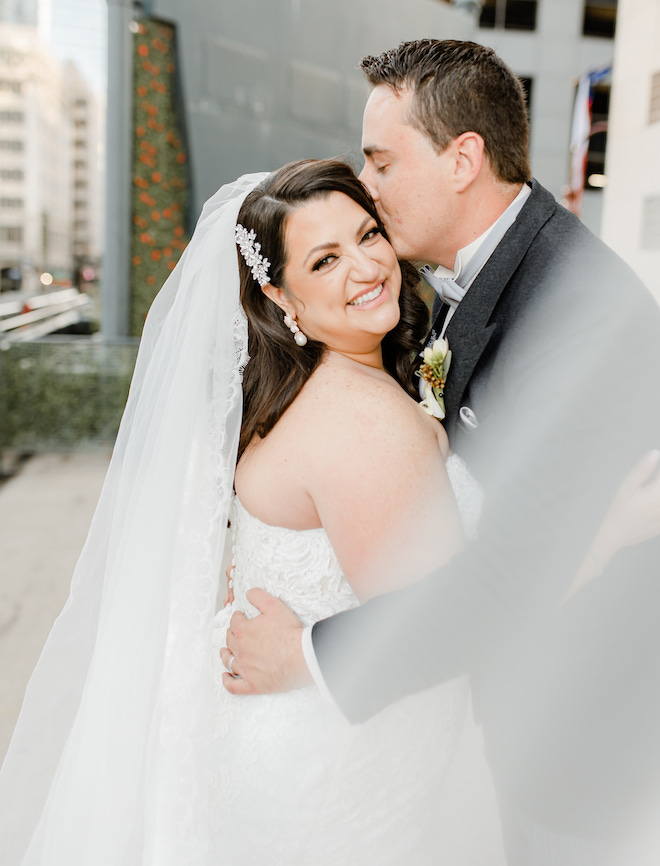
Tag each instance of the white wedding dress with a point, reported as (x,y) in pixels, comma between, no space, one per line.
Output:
(295,783)
(126,728)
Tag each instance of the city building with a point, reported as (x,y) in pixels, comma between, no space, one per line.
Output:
(551,45)
(84,111)
(49,137)
(35,142)
(631,213)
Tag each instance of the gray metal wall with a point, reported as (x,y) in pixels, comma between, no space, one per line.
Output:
(269,81)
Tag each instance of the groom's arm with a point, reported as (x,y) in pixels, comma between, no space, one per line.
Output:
(573,416)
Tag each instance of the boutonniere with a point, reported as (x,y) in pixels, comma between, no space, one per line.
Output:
(433,371)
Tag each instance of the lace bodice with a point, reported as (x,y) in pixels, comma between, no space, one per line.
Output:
(300,566)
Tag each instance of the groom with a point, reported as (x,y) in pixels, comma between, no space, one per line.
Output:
(550,400)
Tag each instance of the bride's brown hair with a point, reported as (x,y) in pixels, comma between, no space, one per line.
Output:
(278,368)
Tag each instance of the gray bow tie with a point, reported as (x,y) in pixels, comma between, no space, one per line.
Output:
(449,291)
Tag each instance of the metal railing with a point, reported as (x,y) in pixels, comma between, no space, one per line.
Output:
(39,315)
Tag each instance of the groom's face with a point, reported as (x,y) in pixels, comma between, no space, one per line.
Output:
(408,179)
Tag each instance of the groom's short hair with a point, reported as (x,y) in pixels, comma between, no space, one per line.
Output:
(460,87)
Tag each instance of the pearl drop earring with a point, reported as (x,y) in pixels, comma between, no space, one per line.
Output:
(292,325)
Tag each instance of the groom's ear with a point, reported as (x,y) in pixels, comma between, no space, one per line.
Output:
(469,155)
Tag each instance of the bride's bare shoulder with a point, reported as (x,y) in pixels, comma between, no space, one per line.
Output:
(346,401)
(356,429)
(341,387)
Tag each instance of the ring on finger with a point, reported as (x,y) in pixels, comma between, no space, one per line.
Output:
(230,668)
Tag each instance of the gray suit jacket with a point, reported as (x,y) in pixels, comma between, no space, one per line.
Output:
(556,349)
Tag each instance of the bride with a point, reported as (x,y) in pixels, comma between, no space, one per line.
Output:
(128,750)
(341,475)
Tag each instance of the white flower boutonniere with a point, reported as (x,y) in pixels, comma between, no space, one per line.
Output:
(433,371)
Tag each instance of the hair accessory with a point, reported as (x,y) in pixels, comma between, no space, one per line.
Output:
(250,252)
(292,325)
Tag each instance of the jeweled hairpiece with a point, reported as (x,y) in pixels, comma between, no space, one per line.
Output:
(250,252)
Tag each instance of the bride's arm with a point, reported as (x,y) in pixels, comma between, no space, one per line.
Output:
(633,517)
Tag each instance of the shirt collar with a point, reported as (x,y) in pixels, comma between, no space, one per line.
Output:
(464,255)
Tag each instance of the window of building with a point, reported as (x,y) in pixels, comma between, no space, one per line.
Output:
(80,144)
(80,164)
(80,184)
(11,116)
(79,204)
(600,109)
(11,144)
(15,203)
(12,86)
(11,58)
(599,18)
(651,223)
(509,14)
(11,234)
(654,106)
(80,124)
(11,174)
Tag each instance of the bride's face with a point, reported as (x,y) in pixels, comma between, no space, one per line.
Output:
(342,277)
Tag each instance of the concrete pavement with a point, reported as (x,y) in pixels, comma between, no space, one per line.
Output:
(45,512)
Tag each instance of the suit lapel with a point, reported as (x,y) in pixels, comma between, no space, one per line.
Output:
(472,326)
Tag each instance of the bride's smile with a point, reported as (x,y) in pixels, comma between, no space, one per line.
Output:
(367,297)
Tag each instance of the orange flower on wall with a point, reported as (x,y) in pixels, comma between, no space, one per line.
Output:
(160,167)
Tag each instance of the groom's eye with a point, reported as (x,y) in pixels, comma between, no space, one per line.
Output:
(371,233)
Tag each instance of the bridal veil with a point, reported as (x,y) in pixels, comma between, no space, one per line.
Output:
(110,750)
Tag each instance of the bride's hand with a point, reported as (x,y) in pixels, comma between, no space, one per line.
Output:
(267,650)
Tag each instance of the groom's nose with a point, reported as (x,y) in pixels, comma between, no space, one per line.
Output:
(367,176)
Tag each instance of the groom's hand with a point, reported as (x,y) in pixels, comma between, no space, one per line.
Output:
(267,650)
